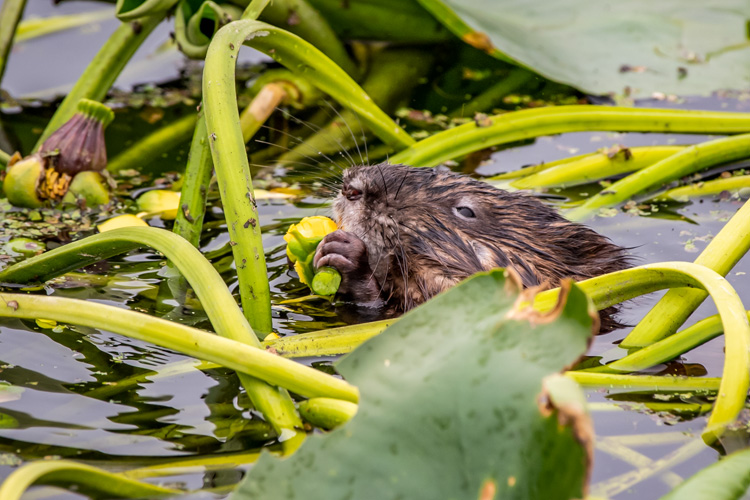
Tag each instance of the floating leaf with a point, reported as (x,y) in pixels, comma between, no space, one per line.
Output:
(670,46)
(453,405)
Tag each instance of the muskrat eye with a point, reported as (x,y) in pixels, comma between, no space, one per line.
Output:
(465,212)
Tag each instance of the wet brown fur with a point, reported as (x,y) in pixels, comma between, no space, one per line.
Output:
(418,245)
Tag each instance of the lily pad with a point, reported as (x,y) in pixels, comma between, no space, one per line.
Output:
(457,402)
(680,47)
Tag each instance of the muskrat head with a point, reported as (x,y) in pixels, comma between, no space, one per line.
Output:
(426,229)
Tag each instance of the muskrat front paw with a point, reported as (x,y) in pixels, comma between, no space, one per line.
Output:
(346,253)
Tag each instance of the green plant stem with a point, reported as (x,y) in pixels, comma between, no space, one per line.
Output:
(189,221)
(329,342)
(128,10)
(236,355)
(228,146)
(390,80)
(615,287)
(88,480)
(644,382)
(327,413)
(29,29)
(154,145)
(487,100)
(667,348)
(596,166)
(721,255)
(691,159)
(254,9)
(530,123)
(4,158)
(104,68)
(217,301)
(10,15)
(310,25)
(697,189)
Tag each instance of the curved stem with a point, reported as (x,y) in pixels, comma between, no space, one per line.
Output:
(721,255)
(217,301)
(615,287)
(238,356)
(689,160)
(10,14)
(87,478)
(530,123)
(668,348)
(493,96)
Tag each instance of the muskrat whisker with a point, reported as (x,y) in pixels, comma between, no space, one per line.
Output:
(332,140)
(403,179)
(300,142)
(350,133)
(385,185)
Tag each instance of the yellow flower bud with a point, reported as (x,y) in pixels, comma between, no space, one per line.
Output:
(161,202)
(302,240)
(126,220)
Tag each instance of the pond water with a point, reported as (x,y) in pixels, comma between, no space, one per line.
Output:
(75,402)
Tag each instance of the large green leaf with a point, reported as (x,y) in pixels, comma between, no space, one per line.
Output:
(599,46)
(453,407)
(728,479)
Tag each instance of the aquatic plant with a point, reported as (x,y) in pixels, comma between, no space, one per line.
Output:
(390,394)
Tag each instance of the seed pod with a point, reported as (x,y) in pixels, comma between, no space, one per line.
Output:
(79,144)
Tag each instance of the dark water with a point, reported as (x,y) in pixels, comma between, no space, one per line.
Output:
(74,404)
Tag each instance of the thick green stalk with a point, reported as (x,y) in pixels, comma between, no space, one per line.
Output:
(668,348)
(392,76)
(654,383)
(697,189)
(298,17)
(104,68)
(154,145)
(254,9)
(230,353)
(88,480)
(228,146)
(721,255)
(530,123)
(217,301)
(594,167)
(615,287)
(329,342)
(189,221)
(10,14)
(129,10)
(4,158)
(689,160)
(28,29)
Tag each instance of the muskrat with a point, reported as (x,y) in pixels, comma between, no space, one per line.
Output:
(406,234)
